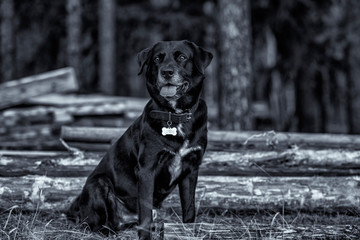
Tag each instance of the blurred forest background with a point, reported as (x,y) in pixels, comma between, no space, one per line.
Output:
(279,65)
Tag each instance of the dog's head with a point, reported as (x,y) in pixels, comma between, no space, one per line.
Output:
(174,72)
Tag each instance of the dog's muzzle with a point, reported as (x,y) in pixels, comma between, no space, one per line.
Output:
(171,83)
(170,90)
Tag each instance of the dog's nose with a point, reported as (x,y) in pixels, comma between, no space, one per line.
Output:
(167,72)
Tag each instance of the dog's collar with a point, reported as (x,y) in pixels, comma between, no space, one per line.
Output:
(171,117)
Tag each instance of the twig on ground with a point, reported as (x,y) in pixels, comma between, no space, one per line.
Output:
(8,218)
(73,151)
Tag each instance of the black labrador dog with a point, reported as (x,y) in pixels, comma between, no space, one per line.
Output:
(163,148)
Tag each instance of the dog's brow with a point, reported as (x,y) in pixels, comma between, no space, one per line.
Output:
(159,54)
(177,53)
(183,49)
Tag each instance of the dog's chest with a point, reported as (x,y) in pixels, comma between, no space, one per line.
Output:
(175,165)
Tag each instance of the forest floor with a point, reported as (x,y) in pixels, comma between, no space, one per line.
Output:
(17,224)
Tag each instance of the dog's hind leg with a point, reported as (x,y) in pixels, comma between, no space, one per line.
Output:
(97,206)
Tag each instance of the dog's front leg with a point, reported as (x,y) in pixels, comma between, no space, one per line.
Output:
(187,189)
(145,201)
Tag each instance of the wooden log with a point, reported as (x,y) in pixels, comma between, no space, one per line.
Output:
(323,194)
(18,91)
(231,140)
(289,194)
(26,132)
(93,147)
(124,108)
(54,164)
(279,140)
(15,117)
(58,110)
(89,105)
(293,162)
(62,100)
(257,231)
(102,134)
(115,121)
(260,109)
(81,134)
(23,154)
(32,144)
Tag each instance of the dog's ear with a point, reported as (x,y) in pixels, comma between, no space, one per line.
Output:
(202,58)
(143,59)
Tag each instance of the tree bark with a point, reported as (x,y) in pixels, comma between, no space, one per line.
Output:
(107,46)
(6,40)
(235,64)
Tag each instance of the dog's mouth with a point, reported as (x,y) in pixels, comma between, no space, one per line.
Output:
(171,91)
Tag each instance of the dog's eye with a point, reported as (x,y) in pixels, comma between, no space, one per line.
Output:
(156,60)
(182,57)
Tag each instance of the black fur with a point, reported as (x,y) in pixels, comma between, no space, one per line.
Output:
(143,167)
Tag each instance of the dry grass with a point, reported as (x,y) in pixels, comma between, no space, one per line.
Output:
(18,224)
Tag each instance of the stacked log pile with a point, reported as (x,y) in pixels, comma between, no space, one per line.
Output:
(44,164)
(36,124)
(241,178)
(244,172)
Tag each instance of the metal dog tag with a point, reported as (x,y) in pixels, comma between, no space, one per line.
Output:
(169,131)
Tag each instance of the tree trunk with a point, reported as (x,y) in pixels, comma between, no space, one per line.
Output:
(73,21)
(354,63)
(6,40)
(235,64)
(107,46)
(210,92)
